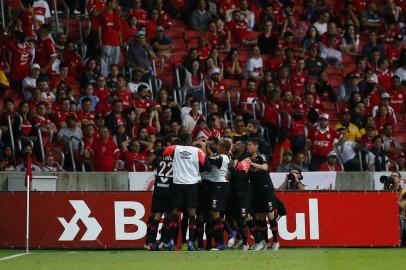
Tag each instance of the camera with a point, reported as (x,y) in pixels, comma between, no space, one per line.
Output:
(388,182)
(292,183)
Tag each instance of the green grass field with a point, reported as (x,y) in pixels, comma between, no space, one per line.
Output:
(295,258)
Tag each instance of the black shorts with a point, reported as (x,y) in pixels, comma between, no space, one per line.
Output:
(219,193)
(185,196)
(240,202)
(162,201)
(264,199)
(204,196)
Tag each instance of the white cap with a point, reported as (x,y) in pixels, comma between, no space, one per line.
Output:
(33,66)
(332,153)
(214,71)
(324,115)
(385,95)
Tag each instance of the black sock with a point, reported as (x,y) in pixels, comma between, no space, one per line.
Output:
(149,222)
(173,227)
(218,231)
(165,230)
(209,234)
(227,226)
(241,230)
(192,228)
(254,231)
(153,231)
(274,230)
(263,228)
(200,233)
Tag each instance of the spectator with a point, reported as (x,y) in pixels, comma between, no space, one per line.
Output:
(391,144)
(347,152)
(41,11)
(373,45)
(383,116)
(129,28)
(267,40)
(321,140)
(88,93)
(297,28)
(368,134)
(282,147)
(384,74)
(45,51)
(249,16)
(385,101)
(397,95)
(401,162)
(116,117)
(105,153)
(238,27)
(376,159)
(86,115)
(240,129)
(100,88)
(90,73)
(112,79)
(22,125)
(64,78)
(132,157)
(330,53)
(200,17)
(30,82)
(322,22)
(51,165)
(189,120)
(70,130)
(143,101)
(110,38)
(161,43)
(312,39)
(140,54)
(139,13)
(94,8)
(193,80)
(286,162)
(300,162)
(350,86)
(401,72)
(136,80)
(233,67)
(123,93)
(254,66)
(7,161)
(370,18)
(42,121)
(22,166)
(352,133)
(248,99)
(331,164)
(350,41)
(324,89)
(210,129)
(217,89)
(358,115)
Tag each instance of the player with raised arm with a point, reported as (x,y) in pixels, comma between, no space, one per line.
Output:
(265,202)
(241,196)
(188,163)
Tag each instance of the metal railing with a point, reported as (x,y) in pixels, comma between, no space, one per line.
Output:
(139,162)
(3,14)
(40,139)
(71,150)
(10,130)
(26,139)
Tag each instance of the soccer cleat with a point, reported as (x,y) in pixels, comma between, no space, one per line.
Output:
(245,247)
(190,246)
(238,245)
(219,247)
(232,238)
(171,246)
(259,246)
(275,246)
(163,246)
(152,247)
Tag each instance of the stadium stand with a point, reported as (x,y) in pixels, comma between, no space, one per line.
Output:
(69,70)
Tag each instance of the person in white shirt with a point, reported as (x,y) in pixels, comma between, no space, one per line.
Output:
(254,67)
(188,163)
(401,72)
(30,83)
(136,81)
(330,52)
(385,101)
(376,159)
(190,119)
(41,11)
(347,153)
(322,22)
(249,16)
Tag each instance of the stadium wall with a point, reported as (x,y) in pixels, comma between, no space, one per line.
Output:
(143,181)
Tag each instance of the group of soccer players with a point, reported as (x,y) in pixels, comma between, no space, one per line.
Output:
(217,186)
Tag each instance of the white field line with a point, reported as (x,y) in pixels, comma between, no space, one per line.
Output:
(13,256)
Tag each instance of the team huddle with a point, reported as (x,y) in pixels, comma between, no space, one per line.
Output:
(219,187)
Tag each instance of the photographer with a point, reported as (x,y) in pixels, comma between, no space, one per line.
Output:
(292,180)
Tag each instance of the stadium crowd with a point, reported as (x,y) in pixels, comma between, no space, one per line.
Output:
(320,83)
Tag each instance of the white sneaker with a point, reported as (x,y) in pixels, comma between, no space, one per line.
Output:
(265,246)
(275,246)
(259,246)
(245,247)
(237,245)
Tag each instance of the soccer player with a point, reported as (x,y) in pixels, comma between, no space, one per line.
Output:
(241,197)
(264,201)
(219,189)
(161,200)
(188,163)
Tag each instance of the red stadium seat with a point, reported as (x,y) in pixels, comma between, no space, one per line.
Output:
(174,34)
(341,105)
(333,71)
(168,80)
(177,58)
(328,106)
(336,80)
(192,34)
(401,137)
(192,43)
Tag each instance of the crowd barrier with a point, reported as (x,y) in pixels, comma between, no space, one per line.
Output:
(108,220)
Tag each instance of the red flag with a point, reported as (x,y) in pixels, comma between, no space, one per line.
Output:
(28,172)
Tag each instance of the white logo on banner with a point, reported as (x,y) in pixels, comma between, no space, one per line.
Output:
(71,228)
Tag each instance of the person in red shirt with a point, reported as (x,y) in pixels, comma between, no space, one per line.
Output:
(225,7)
(204,48)
(20,53)
(394,50)
(248,99)
(164,17)
(134,160)
(60,116)
(299,77)
(85,116)
(22,124)
(383,116)
(42,120)
(94,8)
(397,95)
(110,38)
(71,56)
(384,74)
(123,93)
(321,140)
(142,103)
(139,13)
(45,51)
(64,77)
(233,67)
(27,18)
(331,164)
(217,89)
(238,27)
(287,102)
(104,107)
(129,28)
(105,153)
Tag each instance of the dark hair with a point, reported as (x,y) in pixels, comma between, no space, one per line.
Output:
(86,99)
(19,36)
(142,87)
